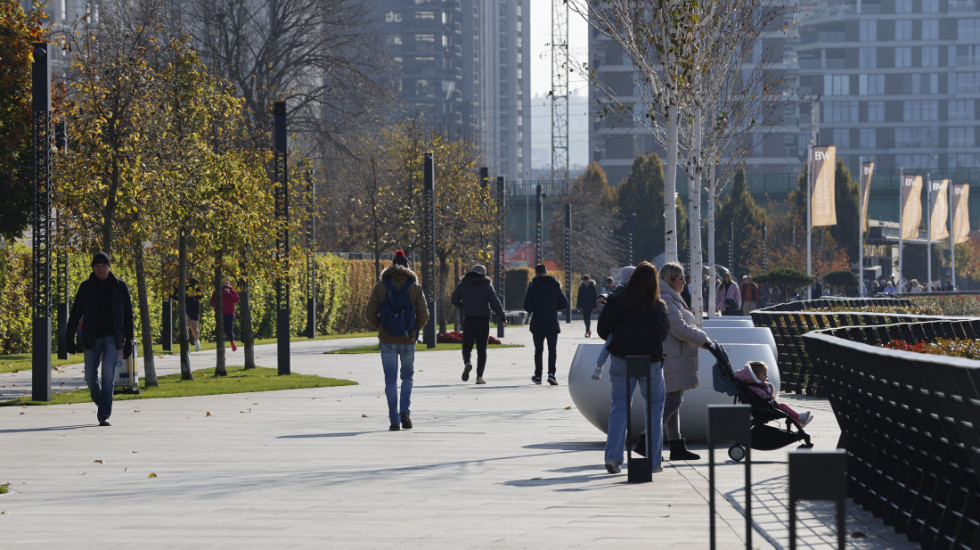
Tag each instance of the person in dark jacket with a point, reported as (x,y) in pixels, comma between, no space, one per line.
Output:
(638,317)
(585,302)
(192,307)
(474,296)
(544,299)
(107,331)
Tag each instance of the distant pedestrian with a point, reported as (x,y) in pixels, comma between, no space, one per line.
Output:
(750,295)
(388,292)
(106,308)
(586,301)
(544,299)
(192,310)
(728,301)
(475,297)
(229,297)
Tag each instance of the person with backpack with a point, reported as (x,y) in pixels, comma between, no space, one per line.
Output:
(398,310)
(475,297)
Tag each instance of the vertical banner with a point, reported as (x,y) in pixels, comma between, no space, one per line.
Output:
(961,213)
(911,206)
(823,210)
(938,191)
(867,168)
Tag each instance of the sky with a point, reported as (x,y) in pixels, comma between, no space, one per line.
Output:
(578,139)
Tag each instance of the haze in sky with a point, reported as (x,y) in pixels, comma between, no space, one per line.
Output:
(578,136)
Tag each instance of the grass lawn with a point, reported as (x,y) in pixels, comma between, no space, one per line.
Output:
(22,361)
(418,347)
(205,382)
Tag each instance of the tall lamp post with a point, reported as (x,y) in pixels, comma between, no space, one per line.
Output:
(310,259)
(629,238)
(41,249)
(61,260)
(429,247)
(568,262)
(498,255)
(538,226)
(282,238)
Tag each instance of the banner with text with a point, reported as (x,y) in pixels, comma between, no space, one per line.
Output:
(911,206)
(823,210)
(961,213)
(938,190)
(867,168)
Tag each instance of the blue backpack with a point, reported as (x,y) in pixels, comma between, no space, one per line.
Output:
(398,311)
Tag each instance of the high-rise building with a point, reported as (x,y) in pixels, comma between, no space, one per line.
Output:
(462,65)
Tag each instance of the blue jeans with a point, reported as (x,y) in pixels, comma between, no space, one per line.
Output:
(621,397)
(604,352)
(390,354)
(103,351)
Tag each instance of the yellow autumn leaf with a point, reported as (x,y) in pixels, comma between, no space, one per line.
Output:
(152,475)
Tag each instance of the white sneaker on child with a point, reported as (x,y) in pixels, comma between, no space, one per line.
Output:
(597,373)
(805,418)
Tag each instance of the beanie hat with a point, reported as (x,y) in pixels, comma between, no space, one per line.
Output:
(540,269)
(100,258)
(625,274)
(482,270)
(400,258)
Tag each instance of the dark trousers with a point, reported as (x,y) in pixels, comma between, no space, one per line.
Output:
(476,330)
(587,317)
(229,322)
(539,351)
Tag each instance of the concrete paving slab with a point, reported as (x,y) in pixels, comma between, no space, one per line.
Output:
(506,465)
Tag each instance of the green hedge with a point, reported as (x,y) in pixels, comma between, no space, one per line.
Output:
(342,291)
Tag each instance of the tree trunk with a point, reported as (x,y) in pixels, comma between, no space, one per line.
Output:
(441,303)
(245,308)
(146,331)
(219,321)
(185,353)
(670,185)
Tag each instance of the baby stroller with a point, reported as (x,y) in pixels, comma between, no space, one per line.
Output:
(765,437)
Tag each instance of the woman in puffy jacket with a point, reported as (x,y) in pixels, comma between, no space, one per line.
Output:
(638,317)
(728,300)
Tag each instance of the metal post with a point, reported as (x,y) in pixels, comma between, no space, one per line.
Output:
(310,260)
(498,262)
(61,261)
(41,229)
(282,238)
(639,470)
(730,423)
(629,238)
(568,262)
(818,475)
(429,248)
(538,229)
(952,243)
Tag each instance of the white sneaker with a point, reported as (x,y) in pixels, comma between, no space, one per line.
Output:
(805,418)
(480,380)
(197,346)
(597,373)
(612,466)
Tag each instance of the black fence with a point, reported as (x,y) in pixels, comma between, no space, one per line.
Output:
(910,423)
(790,321)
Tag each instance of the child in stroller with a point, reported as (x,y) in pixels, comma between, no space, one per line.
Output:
(755,376)
(755,391)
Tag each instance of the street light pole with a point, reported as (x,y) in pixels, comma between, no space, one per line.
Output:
(568,262)
(538,229)
(429,246)
(498,262)
(282,239)
(41,230)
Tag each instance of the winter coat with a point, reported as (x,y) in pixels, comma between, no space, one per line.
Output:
(587,295)
(399,277)
(727,293)
(544,299)
(636,333)
(229,297)
(474,296)
(746,376)
(682,343)
(86,305)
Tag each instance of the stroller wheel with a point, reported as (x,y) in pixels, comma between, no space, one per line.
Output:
(736,452)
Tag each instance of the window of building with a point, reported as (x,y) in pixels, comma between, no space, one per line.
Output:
(871,84)
(842,138)
(869,31)
(903,57)
(425,42)
(930,6)
(393,17)
(964,83)
(837,84)
(868,138)
(393,40)
(961,109)
(930,29)
(903,29)
(903,6)
(966,28)
(963,160)
(867,58)
(425,15)
(961,136)
(841,111)
(876,111)
(919,110)
(916,161)
(930,56)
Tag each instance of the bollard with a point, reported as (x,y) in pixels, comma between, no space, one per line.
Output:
(730,423)
(639,470)
(817,475)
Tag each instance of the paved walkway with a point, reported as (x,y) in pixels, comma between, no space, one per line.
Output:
(506,465)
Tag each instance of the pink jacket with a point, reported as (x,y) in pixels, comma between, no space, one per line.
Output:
(228,300)
(748,377)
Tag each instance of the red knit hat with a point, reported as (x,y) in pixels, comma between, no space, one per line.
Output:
(400,258)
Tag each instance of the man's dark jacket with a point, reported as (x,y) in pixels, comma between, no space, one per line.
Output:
(634,333)
(544,299)
(587,295)
(474,296)
(86,305)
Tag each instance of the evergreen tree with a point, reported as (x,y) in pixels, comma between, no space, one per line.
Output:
(642,193)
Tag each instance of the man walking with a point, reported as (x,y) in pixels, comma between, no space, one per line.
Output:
(750,295)
(104,303)
(585,302)
(544,299)
(475,297)
(390,311)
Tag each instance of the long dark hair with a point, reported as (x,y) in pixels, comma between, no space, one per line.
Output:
(643,289)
